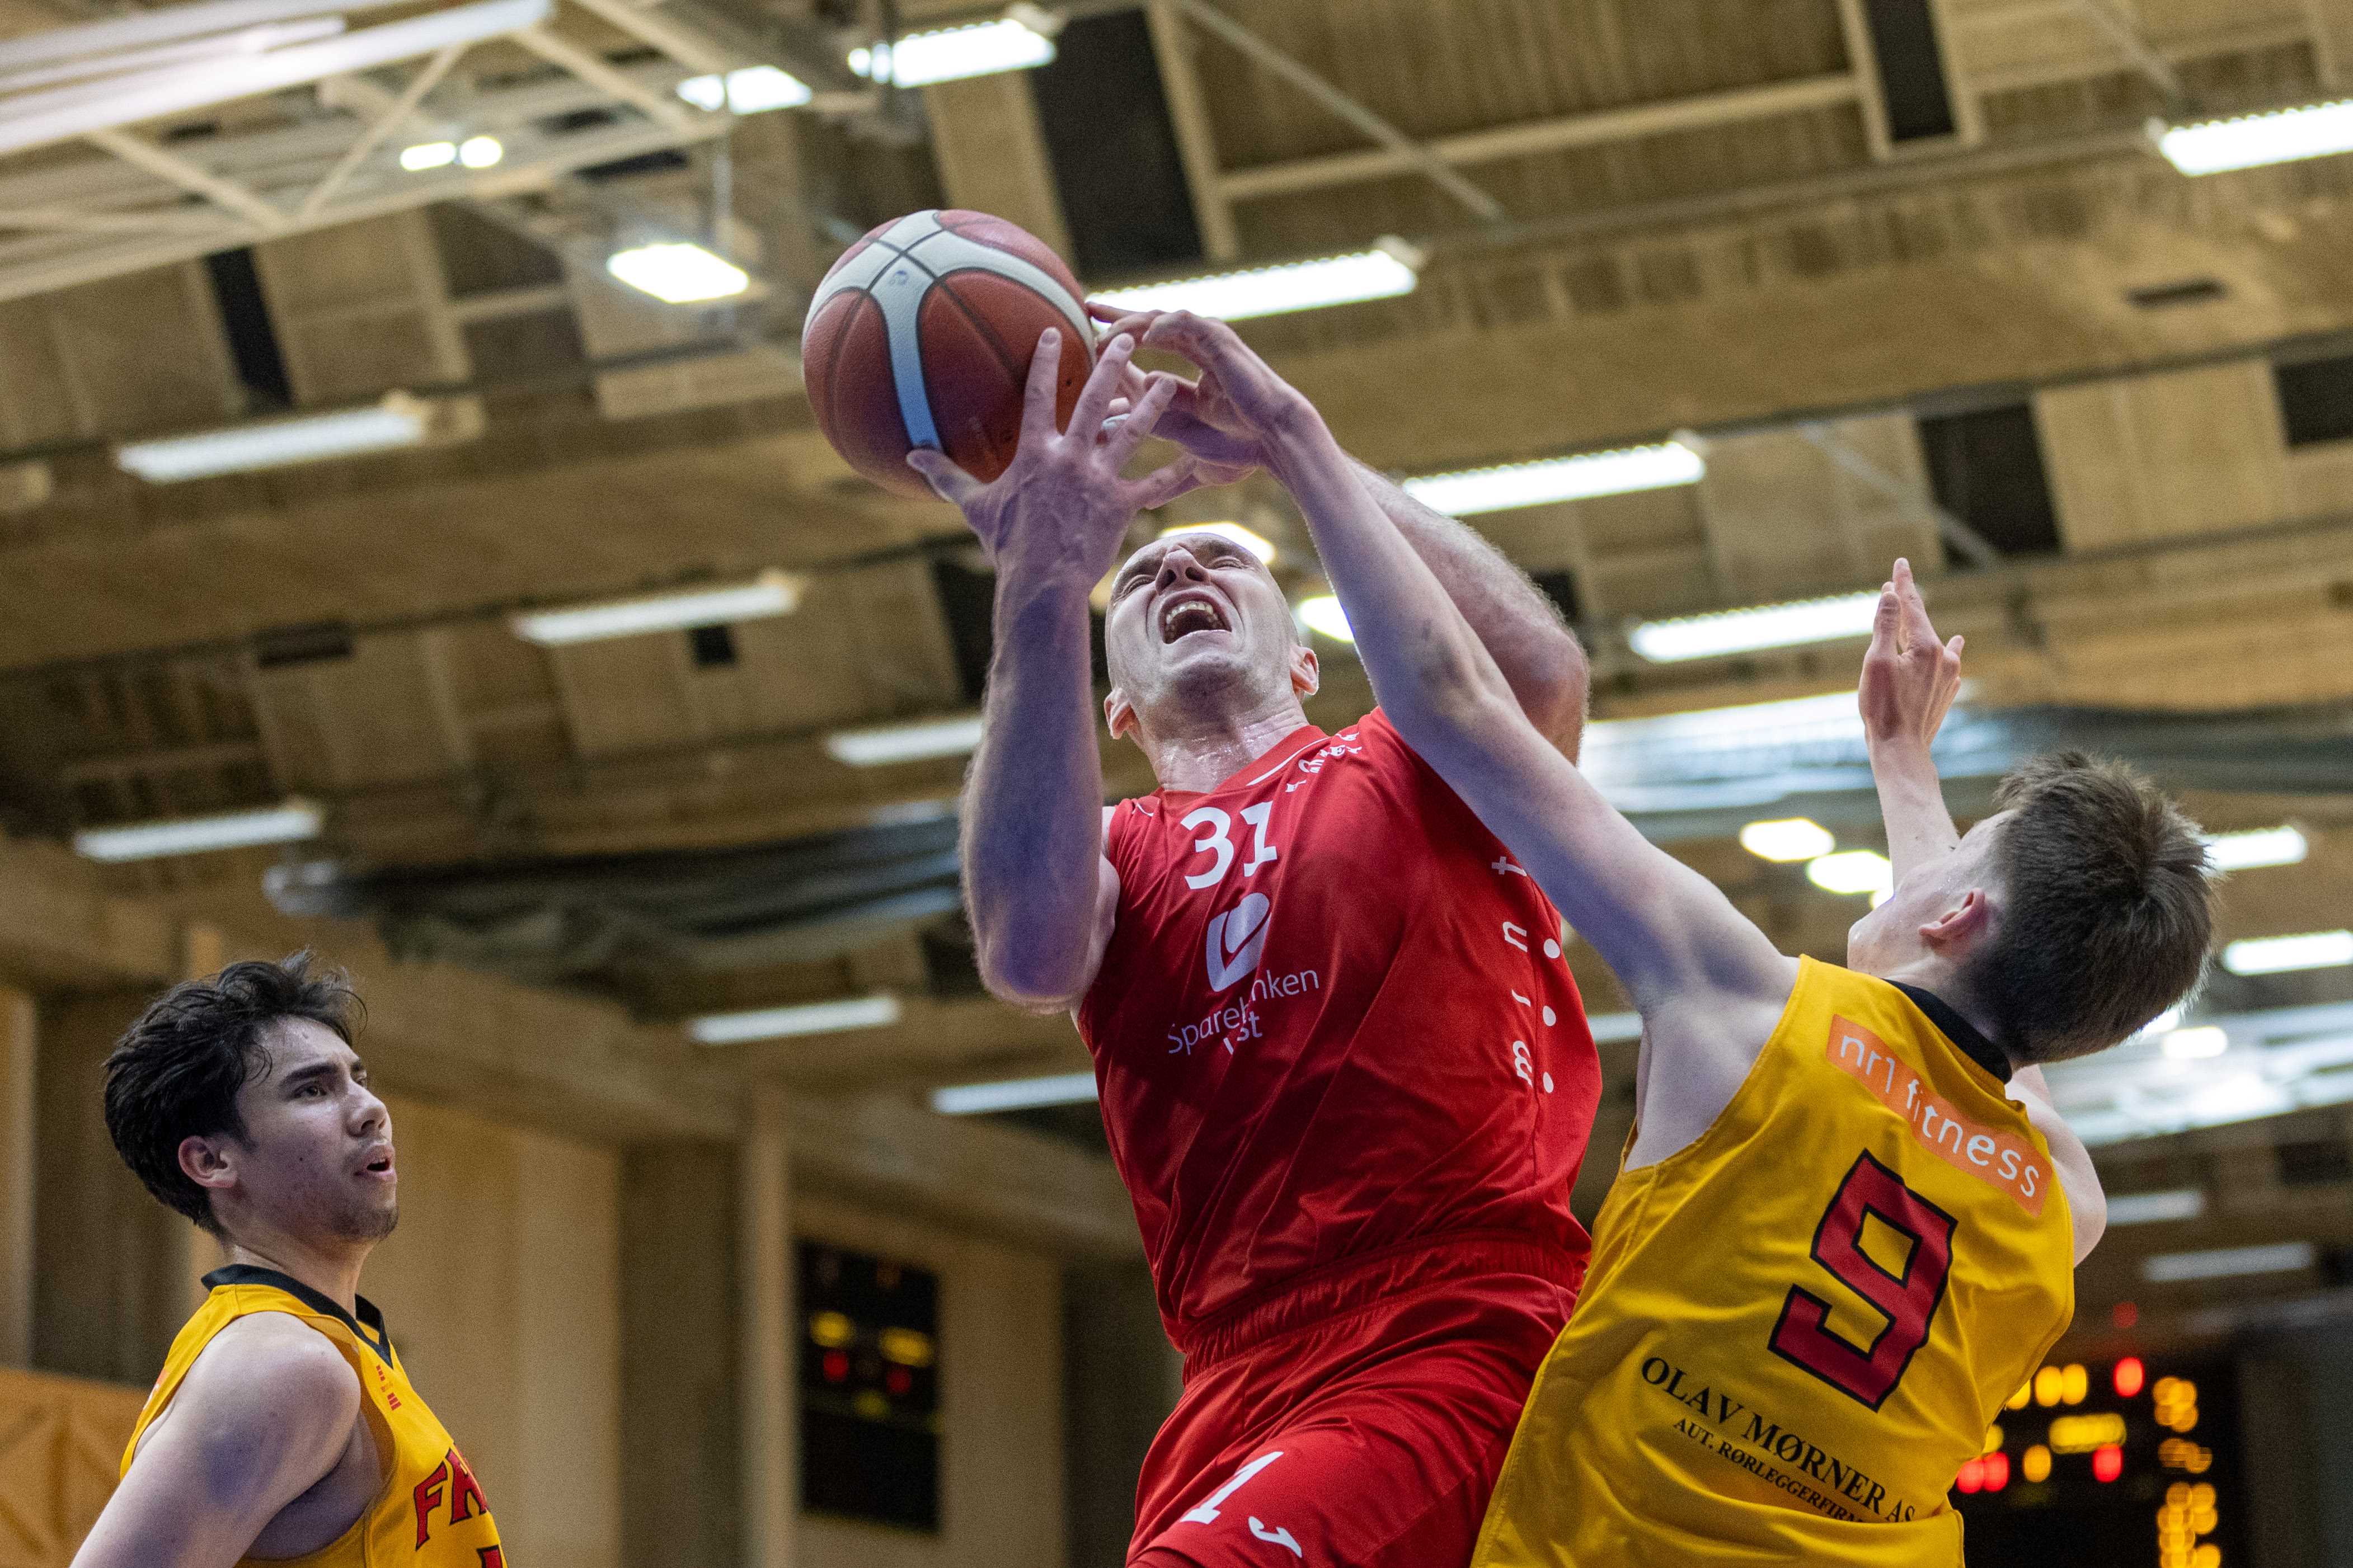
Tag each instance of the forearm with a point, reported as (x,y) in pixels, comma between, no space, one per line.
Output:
(1033,803)
(1537,654)
(1911,803)
(1423,656)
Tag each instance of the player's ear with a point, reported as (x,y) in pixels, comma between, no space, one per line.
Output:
(1960,925)
(1119,713)
(208,1162)
(1305,675)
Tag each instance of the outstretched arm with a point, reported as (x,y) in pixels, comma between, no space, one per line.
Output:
(1532,646)
(1909,682)
(1710,986)
(1042,894)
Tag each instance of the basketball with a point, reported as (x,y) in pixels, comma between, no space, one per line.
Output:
(921,335)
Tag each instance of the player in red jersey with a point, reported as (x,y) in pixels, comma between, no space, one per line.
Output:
(1345,1074)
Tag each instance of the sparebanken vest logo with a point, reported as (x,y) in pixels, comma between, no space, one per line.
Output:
(1237,940)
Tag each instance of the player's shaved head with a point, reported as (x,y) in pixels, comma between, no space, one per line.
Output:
(1196,622)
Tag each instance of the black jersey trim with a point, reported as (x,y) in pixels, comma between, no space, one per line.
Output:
(368,1325)
(1961,1031)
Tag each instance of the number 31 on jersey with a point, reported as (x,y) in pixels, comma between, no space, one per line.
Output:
(1217,829)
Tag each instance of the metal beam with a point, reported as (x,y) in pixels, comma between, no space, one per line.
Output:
(2121,32)
(1548,135)
(61,114)
(1966,540)
(647,25)
(189,176)
(384,125)
(598,72)
(1196,144)
(1418,156)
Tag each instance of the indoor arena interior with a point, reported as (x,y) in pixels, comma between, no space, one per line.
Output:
(457,523)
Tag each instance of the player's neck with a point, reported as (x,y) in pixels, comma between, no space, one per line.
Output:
(1939,977)
(333,1271)
(1200,749)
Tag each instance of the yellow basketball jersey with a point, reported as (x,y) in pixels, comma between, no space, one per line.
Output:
(430,1513)
(1797,1329)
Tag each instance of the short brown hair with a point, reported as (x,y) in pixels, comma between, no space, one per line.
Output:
(176,1073)
(2107,910)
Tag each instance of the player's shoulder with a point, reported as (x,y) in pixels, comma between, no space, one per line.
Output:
(268,1364)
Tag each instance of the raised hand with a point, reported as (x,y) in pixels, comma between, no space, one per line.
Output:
(1062,506)
(1223,420)
(1909,678)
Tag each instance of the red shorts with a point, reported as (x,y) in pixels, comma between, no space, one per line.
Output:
(1359,1419)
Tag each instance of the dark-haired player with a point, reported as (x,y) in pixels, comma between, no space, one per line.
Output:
(1847,1221)
(282,1429)
(1343,1068)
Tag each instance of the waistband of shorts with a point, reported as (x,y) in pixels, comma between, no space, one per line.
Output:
(1317,1296)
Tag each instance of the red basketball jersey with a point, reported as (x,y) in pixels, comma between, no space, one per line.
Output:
(1334,1017)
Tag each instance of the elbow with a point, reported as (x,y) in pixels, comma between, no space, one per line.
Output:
(1032,978)
(1557,691)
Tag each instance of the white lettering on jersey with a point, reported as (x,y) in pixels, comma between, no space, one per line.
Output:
(1215,842)
(1205,1510)
(1261,850)
(1280,1537)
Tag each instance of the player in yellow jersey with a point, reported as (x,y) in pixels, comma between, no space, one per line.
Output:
(282,1429)
(1847,1220)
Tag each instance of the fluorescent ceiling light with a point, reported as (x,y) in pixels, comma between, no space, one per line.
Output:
(398,420)
(677,272)
(1391,268)
(950,54)
(754,89)
(770,593)
(888,743)
(1852,871)
(2164,1023)
(2196,1044)
(480,152)
(1559,478)
(2279,954)
(2257,847)
(1746,631)
(1787,839)
(1256,544)
(2155,1208)
(428,155)
(2227,1262)
(286,824)
(1322,614)
(2211,146)
(1014,1094)
(813,1018)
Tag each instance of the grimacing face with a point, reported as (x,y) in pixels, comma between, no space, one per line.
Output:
(316,1160)
(1194,613)
(1889,937)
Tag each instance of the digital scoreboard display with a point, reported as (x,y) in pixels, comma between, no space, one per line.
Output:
(2124,1464)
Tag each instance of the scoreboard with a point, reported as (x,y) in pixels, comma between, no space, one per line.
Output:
(2122,1464)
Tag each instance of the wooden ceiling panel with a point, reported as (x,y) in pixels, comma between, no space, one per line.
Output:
(1573,180)
(2159,456)
(142,353)
(361,307)
(628,694)
(1498,62)
(1784,520)
(370,719)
